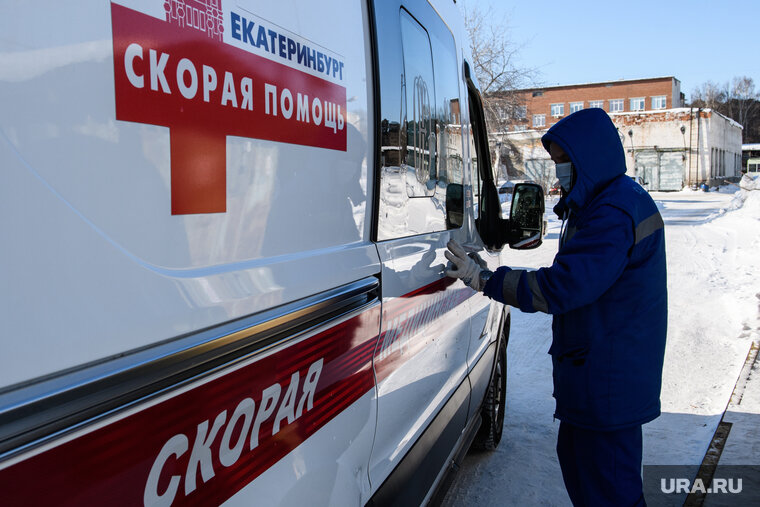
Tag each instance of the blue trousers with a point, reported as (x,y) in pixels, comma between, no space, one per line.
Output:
(601,467)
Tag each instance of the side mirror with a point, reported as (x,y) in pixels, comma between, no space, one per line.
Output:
(526,217)
(454,205)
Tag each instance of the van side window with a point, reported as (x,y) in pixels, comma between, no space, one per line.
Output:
(450,160)
(421,173)
(420,131)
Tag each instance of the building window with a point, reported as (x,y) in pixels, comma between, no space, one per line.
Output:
(722,162)
(539,120)
(521,112)
(596,103)
(712,161)
(538,94)
(638,104)
(502,113)
(520,128)
(558,109)
(575,106)
(616,105)
(659,102)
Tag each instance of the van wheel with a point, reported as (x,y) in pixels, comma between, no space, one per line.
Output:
(494,405)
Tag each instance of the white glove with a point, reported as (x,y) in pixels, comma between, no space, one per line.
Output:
(464,266)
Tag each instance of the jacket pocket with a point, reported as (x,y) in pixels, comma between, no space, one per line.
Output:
(571,385)
(570,347)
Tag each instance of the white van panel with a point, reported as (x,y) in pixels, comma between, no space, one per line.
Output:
(87,196)
(422,351)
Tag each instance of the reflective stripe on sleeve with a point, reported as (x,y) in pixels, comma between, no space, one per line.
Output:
(539,301)
(648,227)
(509,289)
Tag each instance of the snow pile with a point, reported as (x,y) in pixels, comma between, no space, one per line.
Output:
(731,188)
(748,197)
(751,205)
(750,182)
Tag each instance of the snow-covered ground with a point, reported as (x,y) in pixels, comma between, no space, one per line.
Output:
(712,241)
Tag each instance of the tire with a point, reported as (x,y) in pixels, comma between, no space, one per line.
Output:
(495,403)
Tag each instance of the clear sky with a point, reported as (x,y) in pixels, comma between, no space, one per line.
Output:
(581,41)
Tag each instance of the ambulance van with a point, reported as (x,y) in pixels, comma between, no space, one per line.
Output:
(223,226)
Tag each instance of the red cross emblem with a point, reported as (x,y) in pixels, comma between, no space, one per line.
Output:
(178,76)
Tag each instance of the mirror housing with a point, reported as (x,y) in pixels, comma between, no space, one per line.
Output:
(526,217)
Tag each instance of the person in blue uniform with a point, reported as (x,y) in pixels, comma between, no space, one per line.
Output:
(607,293)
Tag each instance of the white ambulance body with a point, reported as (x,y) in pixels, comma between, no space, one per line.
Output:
(222,265)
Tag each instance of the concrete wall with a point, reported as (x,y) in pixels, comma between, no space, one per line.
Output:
(658,146)
(710,143)
(666,149)
(520,155)
(720,154)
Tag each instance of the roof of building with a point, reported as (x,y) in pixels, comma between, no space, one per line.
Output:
(619,81)
(659,111)
(677,110)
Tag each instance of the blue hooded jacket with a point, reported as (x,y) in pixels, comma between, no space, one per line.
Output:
(607,287)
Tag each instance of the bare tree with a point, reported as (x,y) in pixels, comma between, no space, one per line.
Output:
(737,99)
(709,94)
(499,73)
(743,100)
(494,53)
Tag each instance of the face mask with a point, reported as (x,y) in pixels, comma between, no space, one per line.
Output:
(565,175)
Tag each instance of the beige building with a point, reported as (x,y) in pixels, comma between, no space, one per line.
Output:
(666,149)
(680,147)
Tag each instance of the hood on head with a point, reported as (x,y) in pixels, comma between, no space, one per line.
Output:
(593,144)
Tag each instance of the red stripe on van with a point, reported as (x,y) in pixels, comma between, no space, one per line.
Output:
(111,465)
(411,321)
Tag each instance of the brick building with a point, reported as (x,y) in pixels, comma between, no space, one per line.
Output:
(667,145)
(542,107)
